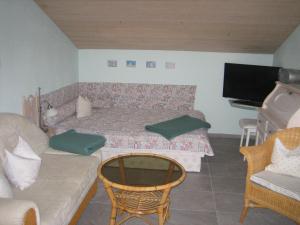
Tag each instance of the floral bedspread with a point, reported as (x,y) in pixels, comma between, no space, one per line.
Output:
(125,128)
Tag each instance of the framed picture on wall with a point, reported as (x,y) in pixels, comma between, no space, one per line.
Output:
(112,63)
(170,65)
(150,64)
(131,63)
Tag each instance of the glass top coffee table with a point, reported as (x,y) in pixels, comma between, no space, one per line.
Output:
(140,184)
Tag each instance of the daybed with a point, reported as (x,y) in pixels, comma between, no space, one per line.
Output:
(65,184)
(121,112)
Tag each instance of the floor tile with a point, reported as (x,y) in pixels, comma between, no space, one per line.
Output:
(228,185)
(95,214)
(224,169)
(202,201)
(237,169)
(218,169)
(232,218)
(204,169)
(183,217)
(101,195)
(253,218)
(194,183)
(229,202)
(270,217)
(225,154)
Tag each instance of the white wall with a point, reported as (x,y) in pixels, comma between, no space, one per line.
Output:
(288,54)
(203,69)
(33,53)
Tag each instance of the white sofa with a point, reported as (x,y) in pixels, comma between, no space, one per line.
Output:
(65,184)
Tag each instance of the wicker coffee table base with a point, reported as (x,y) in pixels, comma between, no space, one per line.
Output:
(135,204)
(141,198)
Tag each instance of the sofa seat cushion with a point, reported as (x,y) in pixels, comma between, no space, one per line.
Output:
(61,186)
(283,184)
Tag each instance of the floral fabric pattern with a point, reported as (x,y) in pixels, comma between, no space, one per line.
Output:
(60,96)
(139,96)
(63,112)
(124,128)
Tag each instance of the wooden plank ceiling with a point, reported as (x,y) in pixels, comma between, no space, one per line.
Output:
(255,26)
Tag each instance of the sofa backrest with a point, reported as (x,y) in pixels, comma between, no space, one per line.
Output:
(12,126)
(146,96)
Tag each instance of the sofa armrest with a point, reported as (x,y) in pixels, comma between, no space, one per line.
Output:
(18,212)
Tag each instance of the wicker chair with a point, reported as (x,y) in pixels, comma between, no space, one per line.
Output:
(258,157)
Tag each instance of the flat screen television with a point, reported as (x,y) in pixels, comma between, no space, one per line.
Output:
(249,82)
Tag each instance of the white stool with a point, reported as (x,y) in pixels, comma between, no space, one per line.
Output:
(249,127)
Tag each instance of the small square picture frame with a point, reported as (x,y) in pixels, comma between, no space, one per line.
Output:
(112,63)
(131,63)
(150,64)
(170,65)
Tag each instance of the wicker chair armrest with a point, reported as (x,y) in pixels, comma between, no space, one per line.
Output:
(258,157)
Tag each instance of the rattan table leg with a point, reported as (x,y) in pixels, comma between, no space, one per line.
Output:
(161,219)
(114,209)
(162,210)
(167,212)
(170,171)
(122,170)
(113,216)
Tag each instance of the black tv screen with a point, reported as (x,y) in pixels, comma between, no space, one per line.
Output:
(249,82)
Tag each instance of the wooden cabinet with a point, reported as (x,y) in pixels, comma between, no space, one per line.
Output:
(280,110)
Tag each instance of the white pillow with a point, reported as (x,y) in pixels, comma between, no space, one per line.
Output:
(83,107)
(22,166)
(5,190)
(24,150)
(280,151)
(285,161)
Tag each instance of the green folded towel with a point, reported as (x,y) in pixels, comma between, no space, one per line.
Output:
(78,143)
(175,127)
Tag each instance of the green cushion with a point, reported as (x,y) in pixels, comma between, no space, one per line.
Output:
(175,127)
(78,143)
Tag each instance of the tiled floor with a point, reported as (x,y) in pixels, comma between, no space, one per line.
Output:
(212,197)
